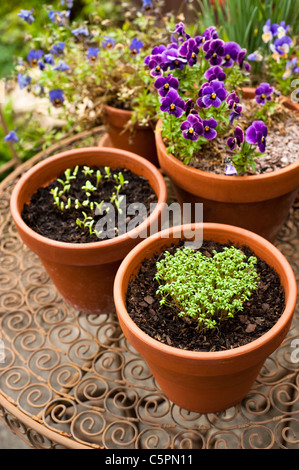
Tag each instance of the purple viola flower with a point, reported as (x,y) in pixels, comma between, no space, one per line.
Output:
(156,65)
(23,80)
(189,107)
(291,67)
(11,137)
(180,30)
(200,102)
(57,49)
(209,131)
(41,65)
(173,104)
(27,16)
(233,104)
(58,17)
(215,73)
(135,47)
(147,5)
(269,31)
(62,67)
(230,170)
(192,128)
(48,58)
(241,60)
(34,56)
(231,51)
(92,54)
(208,35)
(231,99)
(263,93)
(81,31)
(172,59)
(190,50)
(214,51)
(109,43)
(237,140)
(68,3)
(256,135)
(255,57)
(213,94)
(282,45)
(56,98)
(165,84)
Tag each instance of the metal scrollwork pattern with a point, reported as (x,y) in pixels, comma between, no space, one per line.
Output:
(73,381)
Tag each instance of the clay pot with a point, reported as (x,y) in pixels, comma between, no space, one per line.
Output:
(84,273)
(141,142)
(259,203)
(205,382)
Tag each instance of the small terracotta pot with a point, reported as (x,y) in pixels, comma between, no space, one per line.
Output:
(259,203)
(141,142)
(205,381)
(84,273)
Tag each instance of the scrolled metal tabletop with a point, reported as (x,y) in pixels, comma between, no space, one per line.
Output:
(68,380)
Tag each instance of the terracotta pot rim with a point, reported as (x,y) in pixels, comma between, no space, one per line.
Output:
(171,351)
(84,247)
(215,178)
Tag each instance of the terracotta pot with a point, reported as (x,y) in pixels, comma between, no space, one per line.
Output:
(205,381)
(141,142)
(259,203)
(84,273)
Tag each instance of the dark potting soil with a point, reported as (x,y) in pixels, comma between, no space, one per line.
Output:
(162,323)
(45,218)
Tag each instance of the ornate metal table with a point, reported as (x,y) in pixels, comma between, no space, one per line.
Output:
(68,380)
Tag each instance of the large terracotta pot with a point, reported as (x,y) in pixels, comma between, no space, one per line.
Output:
(84,273)
(205,381)
(141,142)
(260,203)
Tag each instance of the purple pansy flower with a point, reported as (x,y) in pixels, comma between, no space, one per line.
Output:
(215,73)
(190,50)
(27,16)
(109,43)
(68,3)
(291,67)
(135,47)
(48,58)
(189,107)
(209,34)
(269,31)
(11,137)
(173,104)
(241,60)
(41,65)
(214,51)
(81,31)
(165,84)
(58,17)
(230,170)
(147,5)
(34,56)
(200,102)
(192,128)
(231,51)
(23,80)
(56,98)
(255,57)
(209,131)
(263,92)
(213,94)
(92,54)
(57,49)
(62,67)
(233,104)
(173,60)
(237,140)
(282,45)
(256,135)
(231,99)
(180,30)
(156,65)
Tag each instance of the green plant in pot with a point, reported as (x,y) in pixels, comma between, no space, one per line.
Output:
(219,143)
(93,71)
(199,315)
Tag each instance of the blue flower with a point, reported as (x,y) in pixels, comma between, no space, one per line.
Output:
(57,48)
(109,43)
(34,56)
(56,98)
(48,58)
(82,31)
(92,54)
(41,65)
(283,44)
(291,67)
(23,80)
(27,16)
(62,67)
(69,3)
(135,47)
(58,17)
(147,5)
(230,170)
(255,57)
(11,137)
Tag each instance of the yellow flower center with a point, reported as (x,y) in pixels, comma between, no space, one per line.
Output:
(193,55)
(134,52)
(176,62)
(57,103)
(172,106)
(213,96)
(166,86)
(109,45)
(214,55)
(34,62)
(263,139)
(93,58)
(227,56)
(158,68)
(191,130)
(207,128)
(263,96)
